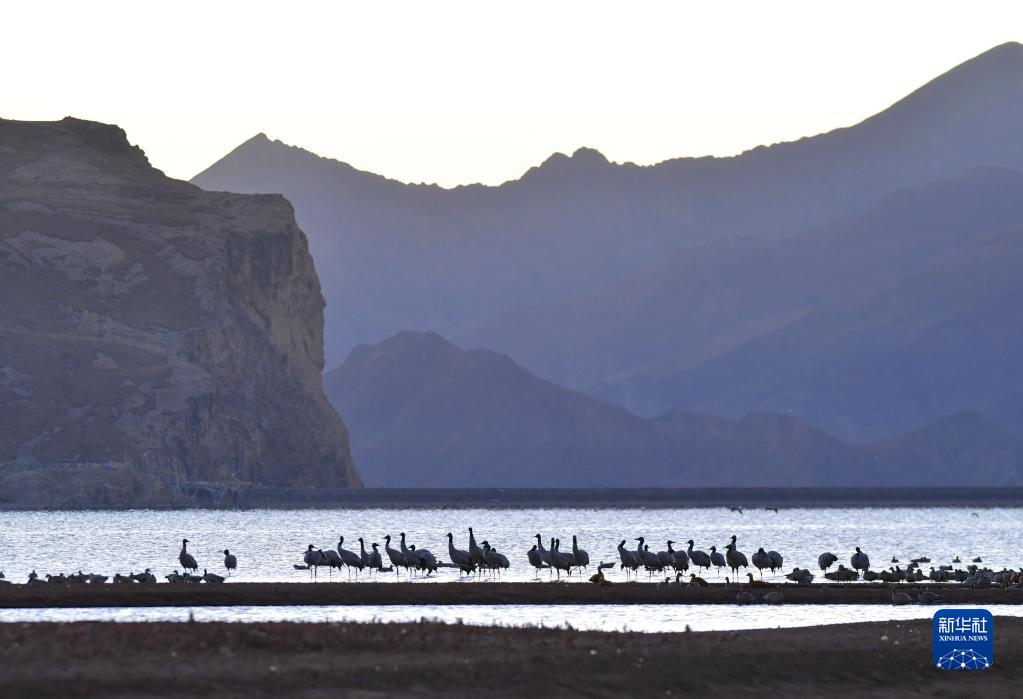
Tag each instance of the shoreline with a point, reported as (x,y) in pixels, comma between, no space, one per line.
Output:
(432,660)
(753,498)
(467,593)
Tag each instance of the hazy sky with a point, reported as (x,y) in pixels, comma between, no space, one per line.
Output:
(455,92)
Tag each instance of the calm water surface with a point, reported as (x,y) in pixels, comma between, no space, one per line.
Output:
(269,542)
(640,617)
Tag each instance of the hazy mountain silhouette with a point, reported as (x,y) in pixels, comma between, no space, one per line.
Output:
(701,300)
(393,256)
(423,412)
(946,337)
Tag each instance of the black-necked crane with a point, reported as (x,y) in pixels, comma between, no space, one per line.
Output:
(412,561)
(580,559)
(230,561)
(397,560)
(717,560)
(186,559)
(629,560)
(699,558)
(376,562)
(427,560)
(313,559)
(776,560)
(761,560)
(349,557)
(475,551)
(535,560)
(560,561)
(460,558)
(734,557)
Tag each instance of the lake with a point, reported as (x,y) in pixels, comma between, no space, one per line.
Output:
(269,542)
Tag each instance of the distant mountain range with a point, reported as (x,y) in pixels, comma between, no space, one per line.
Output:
(423,412)
(865,281)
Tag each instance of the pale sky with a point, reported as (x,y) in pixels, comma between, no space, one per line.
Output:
(457,92)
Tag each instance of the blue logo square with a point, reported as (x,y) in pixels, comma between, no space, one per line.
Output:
(964,639)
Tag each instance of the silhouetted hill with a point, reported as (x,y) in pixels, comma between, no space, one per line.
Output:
(948,336)
(959,449)
(425,413)
(393,256)
(701,300)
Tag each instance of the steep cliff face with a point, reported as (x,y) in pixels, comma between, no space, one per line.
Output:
(152,334)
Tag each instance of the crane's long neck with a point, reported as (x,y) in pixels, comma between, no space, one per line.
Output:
(575,545)
(690,549)
(404,549)
(451,547)
(539,544)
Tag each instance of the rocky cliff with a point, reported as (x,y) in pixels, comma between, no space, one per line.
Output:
(155,338)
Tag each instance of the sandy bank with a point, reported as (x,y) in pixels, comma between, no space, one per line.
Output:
(491,593)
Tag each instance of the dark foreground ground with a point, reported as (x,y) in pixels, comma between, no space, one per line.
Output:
(432,660)
(490,593)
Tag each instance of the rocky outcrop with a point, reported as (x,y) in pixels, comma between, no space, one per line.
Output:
(155,338)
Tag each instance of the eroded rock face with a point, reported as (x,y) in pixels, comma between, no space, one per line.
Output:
(152,335)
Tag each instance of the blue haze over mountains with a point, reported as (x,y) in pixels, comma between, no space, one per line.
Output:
(863,284)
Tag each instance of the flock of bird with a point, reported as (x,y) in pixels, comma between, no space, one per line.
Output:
(481,557)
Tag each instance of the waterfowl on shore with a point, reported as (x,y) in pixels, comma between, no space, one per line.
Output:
(735,557)
(859,560)
(427,560)
(230,561)
(717,560)
(313,558)
(801,576)
(755,583)
(186,559)
(397,560)
(545,555)
(475,551)
(629,560)
(900,598)
(460,558)
(761,560)
(331,559)
(699,558)
(826,560)
(776,560)
(495,561)
(580,558)
(350,558)
(667,558)
(363,555)
(650,560)
(376,561)
(211,578)
(696,581)
(534,560)
(560,561)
